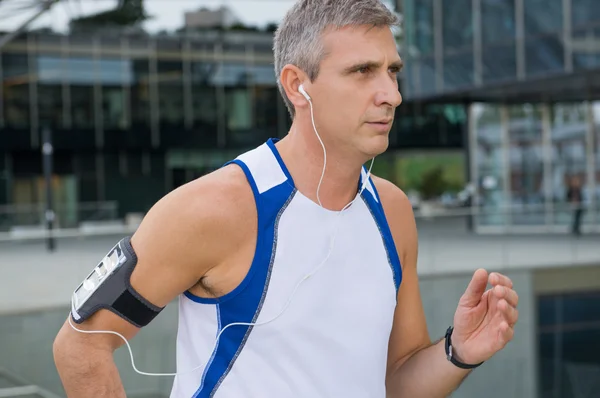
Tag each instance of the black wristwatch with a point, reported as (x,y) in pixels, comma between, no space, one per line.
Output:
(449,352)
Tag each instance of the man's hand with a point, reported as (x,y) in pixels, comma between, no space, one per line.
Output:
(484,320)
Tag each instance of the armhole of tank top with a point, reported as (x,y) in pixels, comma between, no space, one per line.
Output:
(259,242)
(378,214)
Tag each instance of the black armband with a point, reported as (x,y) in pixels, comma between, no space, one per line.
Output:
(108,286)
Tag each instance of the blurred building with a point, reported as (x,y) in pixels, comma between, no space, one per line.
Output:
(134,116)
(528,73)
(204,18)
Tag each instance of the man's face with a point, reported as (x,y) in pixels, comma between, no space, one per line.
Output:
(356,92)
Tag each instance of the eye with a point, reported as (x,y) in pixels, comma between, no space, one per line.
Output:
(395,69)
(363,69)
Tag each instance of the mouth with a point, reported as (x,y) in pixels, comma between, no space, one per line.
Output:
(381,122)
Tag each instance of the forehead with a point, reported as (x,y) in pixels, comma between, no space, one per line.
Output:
(359,43)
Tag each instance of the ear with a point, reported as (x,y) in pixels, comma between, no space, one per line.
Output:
(291,78)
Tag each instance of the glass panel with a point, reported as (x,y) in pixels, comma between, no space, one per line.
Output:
(170,85)
(568,158)
(140,93)
(498,40)
(585,13)
(15,82)
(457,23)
(238,103)
(50,77)
(490,164)
(569,349)
(265,101)
(116,73)
(497,21)
(499,63)
(526,167)
(586,52)
(423,27)
(458,70)
(543,16)
(596,154)
(544,55)
(204,95)
(426,72)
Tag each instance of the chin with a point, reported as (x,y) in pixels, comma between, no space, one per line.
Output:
(376,145)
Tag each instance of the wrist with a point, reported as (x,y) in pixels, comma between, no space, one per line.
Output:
(453,355)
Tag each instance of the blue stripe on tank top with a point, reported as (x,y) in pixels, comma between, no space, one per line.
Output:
(378,214)
(246,305)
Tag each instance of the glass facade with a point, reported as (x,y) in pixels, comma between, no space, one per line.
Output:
(452,45)
(568,334)
(136,116)
(525,159)
(120,106)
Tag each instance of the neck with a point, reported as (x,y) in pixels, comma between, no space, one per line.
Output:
(302,153)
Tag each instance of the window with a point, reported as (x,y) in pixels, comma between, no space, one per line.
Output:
(568,140)
(543,16)
(15,85)
(526,167)
(457,23)
(569,345)
(498,40)
(490,164)
(596,153)
(170,84)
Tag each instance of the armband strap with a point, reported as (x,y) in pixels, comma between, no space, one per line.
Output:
(108,287)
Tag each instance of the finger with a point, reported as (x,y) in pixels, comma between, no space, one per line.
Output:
(503,292)
(499,279)
(509,313)
(505,334)
(475,289)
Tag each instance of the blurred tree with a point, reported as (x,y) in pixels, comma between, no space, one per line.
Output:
(244,28)
(128,13)
(271,27)
(433,184)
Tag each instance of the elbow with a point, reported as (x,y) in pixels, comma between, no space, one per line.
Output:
(60,349)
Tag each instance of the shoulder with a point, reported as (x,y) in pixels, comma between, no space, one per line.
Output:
(201,221)
(400,217)
(394,201)
(214,199)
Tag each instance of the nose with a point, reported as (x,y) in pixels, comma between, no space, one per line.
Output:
(388,93)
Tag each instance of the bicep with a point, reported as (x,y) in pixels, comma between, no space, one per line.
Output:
(169,248)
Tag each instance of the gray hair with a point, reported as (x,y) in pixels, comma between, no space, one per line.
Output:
(298,42)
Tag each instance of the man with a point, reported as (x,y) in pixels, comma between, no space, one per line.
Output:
(575,198)
(306,279)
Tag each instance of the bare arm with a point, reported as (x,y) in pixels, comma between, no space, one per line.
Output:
(416,367)
(178,242)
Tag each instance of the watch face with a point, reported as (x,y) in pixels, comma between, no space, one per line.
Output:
(98,276)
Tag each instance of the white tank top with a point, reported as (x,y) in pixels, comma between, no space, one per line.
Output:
(332,341)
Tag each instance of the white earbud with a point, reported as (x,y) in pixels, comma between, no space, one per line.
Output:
(303,92)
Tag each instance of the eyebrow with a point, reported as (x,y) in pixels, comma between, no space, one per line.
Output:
(374,65)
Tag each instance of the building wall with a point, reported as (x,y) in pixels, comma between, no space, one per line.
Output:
(511,373)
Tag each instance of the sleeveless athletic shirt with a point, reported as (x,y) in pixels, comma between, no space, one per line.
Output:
(332,340)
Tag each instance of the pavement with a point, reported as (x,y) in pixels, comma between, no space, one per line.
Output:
(31,278)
